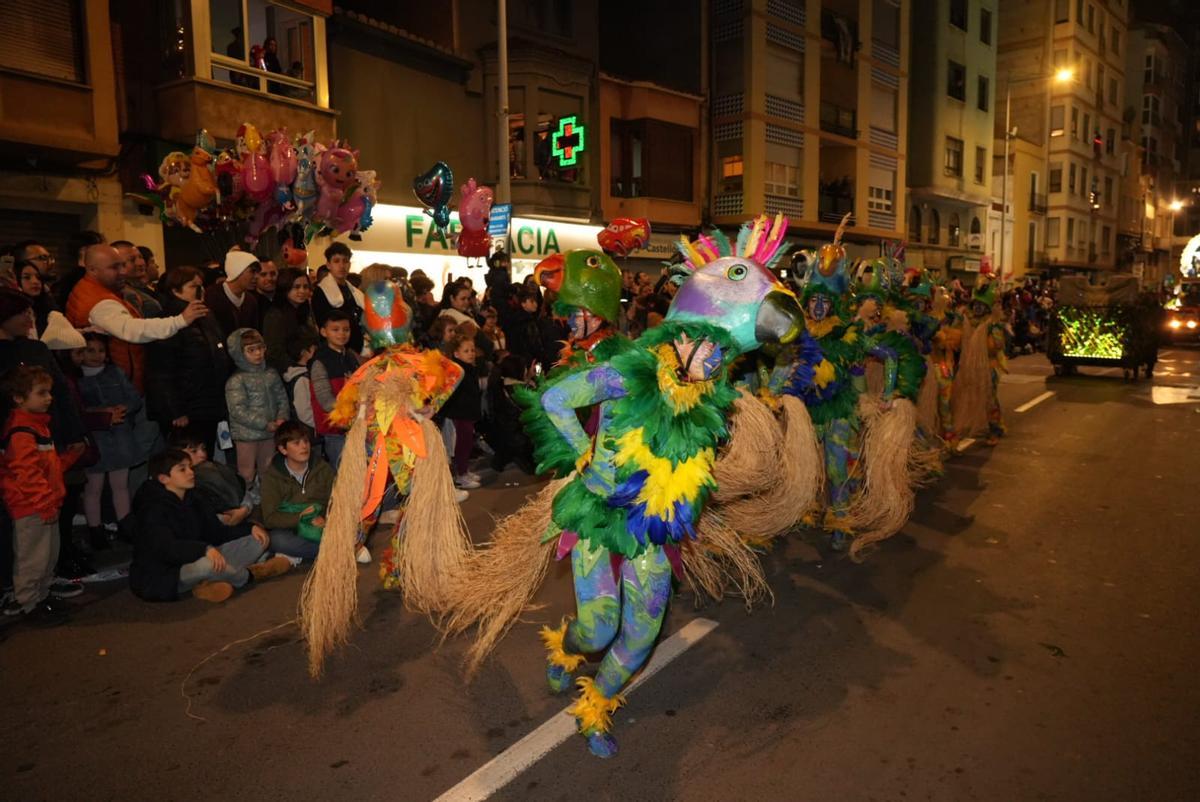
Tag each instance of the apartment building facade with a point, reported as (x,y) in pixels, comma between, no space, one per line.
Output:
(950,133)
(809,114)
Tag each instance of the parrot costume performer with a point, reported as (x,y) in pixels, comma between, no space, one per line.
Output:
(975,400)
(633,494)
(829,383)
(587,284)
(387,405)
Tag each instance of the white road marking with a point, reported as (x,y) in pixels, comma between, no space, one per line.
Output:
(509,764)
(965,443)
(1031,404)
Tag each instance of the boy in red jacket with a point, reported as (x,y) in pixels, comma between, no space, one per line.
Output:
(31,483)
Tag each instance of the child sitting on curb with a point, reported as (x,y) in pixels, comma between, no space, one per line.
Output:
(181,546)
(295,493)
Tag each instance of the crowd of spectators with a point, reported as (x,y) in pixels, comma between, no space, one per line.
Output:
(186,411)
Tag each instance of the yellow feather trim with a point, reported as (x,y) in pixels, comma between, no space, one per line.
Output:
(824,373)
(666,483)
(682,396)
(820,328)
(346,407)
(593,710)
(554,640)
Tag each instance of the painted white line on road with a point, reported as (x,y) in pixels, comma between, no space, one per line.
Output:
(1031,404)
(509,764)
(965,443)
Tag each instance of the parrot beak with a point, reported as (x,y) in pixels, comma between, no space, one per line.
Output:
(549,272)
(779,318)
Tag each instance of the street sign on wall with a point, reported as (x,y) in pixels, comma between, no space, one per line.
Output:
(499,219)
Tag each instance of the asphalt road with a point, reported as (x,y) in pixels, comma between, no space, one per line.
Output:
(1031,634)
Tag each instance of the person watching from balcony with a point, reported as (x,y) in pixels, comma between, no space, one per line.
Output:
(334,291)
(96,302)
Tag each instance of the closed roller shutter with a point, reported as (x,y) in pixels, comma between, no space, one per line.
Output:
(43,37)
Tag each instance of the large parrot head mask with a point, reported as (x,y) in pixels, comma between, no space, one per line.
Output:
(582,279)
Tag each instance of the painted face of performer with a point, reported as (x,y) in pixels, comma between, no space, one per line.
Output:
(819,307)
(583,324)
(698,359)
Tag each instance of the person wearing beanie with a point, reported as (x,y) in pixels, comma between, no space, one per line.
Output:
(232,302)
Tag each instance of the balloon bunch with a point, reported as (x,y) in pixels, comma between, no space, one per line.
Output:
(275,181)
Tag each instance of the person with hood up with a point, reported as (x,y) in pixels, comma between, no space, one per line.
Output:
(257,402)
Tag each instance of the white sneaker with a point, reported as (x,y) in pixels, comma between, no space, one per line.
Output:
(474,477)
(295,561)
(461,495)
(363,556)
(466,482)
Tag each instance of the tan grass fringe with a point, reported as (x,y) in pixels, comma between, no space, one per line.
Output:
(927,399)
(796,480)
(885,502)
(329,598)
(750,459)
(721,563)
(972,382)
(435,545)
(499,579)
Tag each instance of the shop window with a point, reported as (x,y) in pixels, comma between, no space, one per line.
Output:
(263,46)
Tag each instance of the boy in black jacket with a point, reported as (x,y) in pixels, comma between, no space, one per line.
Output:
(182,546)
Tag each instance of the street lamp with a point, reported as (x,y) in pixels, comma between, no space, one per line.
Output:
(1063,75)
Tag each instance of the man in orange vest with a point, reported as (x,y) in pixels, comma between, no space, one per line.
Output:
(96,303)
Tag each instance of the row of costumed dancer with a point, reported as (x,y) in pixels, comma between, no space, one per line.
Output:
(756,409)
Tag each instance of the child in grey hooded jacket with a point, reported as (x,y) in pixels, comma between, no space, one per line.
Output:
(257,402)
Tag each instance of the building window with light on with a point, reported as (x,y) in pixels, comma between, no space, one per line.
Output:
(954,156)
(652,158)
(782,179)
(262,46)
(1057,120)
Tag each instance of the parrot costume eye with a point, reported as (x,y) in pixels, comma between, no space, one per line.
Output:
(737,273)
(593,261)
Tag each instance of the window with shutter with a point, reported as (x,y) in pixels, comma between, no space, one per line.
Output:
(43,37)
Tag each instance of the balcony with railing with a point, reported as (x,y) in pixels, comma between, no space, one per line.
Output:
(1037,203)
(839,120)
(244,60)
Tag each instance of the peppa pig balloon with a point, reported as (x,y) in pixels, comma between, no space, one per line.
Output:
(434,188)
(474,207)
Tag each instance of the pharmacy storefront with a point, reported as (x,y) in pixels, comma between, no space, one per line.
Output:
(404,236)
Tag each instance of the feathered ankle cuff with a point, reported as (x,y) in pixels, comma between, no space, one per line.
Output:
(593,710)
(554,640)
